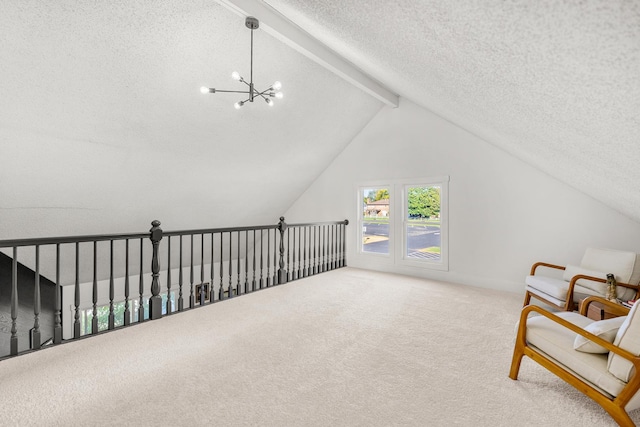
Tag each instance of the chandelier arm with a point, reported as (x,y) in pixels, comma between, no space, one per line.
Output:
(231,91)
(262,94)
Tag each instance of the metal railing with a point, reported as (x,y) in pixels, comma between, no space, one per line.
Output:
(94,275)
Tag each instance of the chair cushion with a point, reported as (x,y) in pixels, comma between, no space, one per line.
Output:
(556,288)
(605,329)
(573,270)
(623,264)
(556,342)
(628,338)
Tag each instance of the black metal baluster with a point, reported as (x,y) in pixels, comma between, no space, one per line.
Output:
(331,247)
(238,287)
(269,283)
(94,319)
(253,283)
(230,264)
(212,296)
(335,249)
(203,292)
(274,280)
(221,291)
(261,258)
(168,305)
(34,335)
(305,249)
(180,279)
(320,241)
(192,297)
(141,288)
(341,245)
(14,303)
(127,310)
(246,262)
(325,247)
(288,265)
(76,322)
(320,247)
(313,260)
(292,266)
(299,275)
(57,328)
(338,244)
(112,319)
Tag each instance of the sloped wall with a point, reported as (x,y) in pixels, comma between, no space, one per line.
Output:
(503,214)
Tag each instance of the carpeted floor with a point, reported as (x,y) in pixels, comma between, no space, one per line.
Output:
(345,348)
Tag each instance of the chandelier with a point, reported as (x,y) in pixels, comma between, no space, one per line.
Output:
(271,92)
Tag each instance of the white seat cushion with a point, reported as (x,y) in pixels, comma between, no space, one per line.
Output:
(557,342)
(555,288)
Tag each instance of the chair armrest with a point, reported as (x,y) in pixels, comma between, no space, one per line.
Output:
(569,305)
(614,308)
(544,264)
(522,333)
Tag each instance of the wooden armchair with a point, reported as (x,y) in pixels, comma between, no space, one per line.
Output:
(599,358)
(589,278)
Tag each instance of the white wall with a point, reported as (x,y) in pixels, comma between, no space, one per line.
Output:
(503,214)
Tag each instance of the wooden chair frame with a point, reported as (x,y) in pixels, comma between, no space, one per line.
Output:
(616,406)
(569,305)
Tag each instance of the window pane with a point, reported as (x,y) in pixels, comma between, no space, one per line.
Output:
(375,221)
(422,231)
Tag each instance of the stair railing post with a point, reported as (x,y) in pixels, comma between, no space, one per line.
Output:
(282,272)
(155,302)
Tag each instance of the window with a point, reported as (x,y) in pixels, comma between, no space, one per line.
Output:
(419,213)
(375,220)
(422,225)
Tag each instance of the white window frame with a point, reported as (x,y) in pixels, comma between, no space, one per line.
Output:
(443,263)
(360,227)
(397,222)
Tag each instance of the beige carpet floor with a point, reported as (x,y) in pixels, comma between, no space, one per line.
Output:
(345,348)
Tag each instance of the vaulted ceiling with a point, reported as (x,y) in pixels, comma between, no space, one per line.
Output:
(102,120)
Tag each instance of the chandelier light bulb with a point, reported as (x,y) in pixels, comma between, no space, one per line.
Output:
(235,75)
(269,101)
(238,105)
(204,89)
(279,95)
(277,86)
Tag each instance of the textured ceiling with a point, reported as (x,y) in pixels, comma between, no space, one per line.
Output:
(102,121)
(103,127)
(555,83)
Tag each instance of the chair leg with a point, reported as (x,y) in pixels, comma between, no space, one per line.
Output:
(620,416)
(518,354)
(527,298)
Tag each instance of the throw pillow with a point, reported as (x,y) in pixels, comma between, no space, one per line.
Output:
(605,329)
